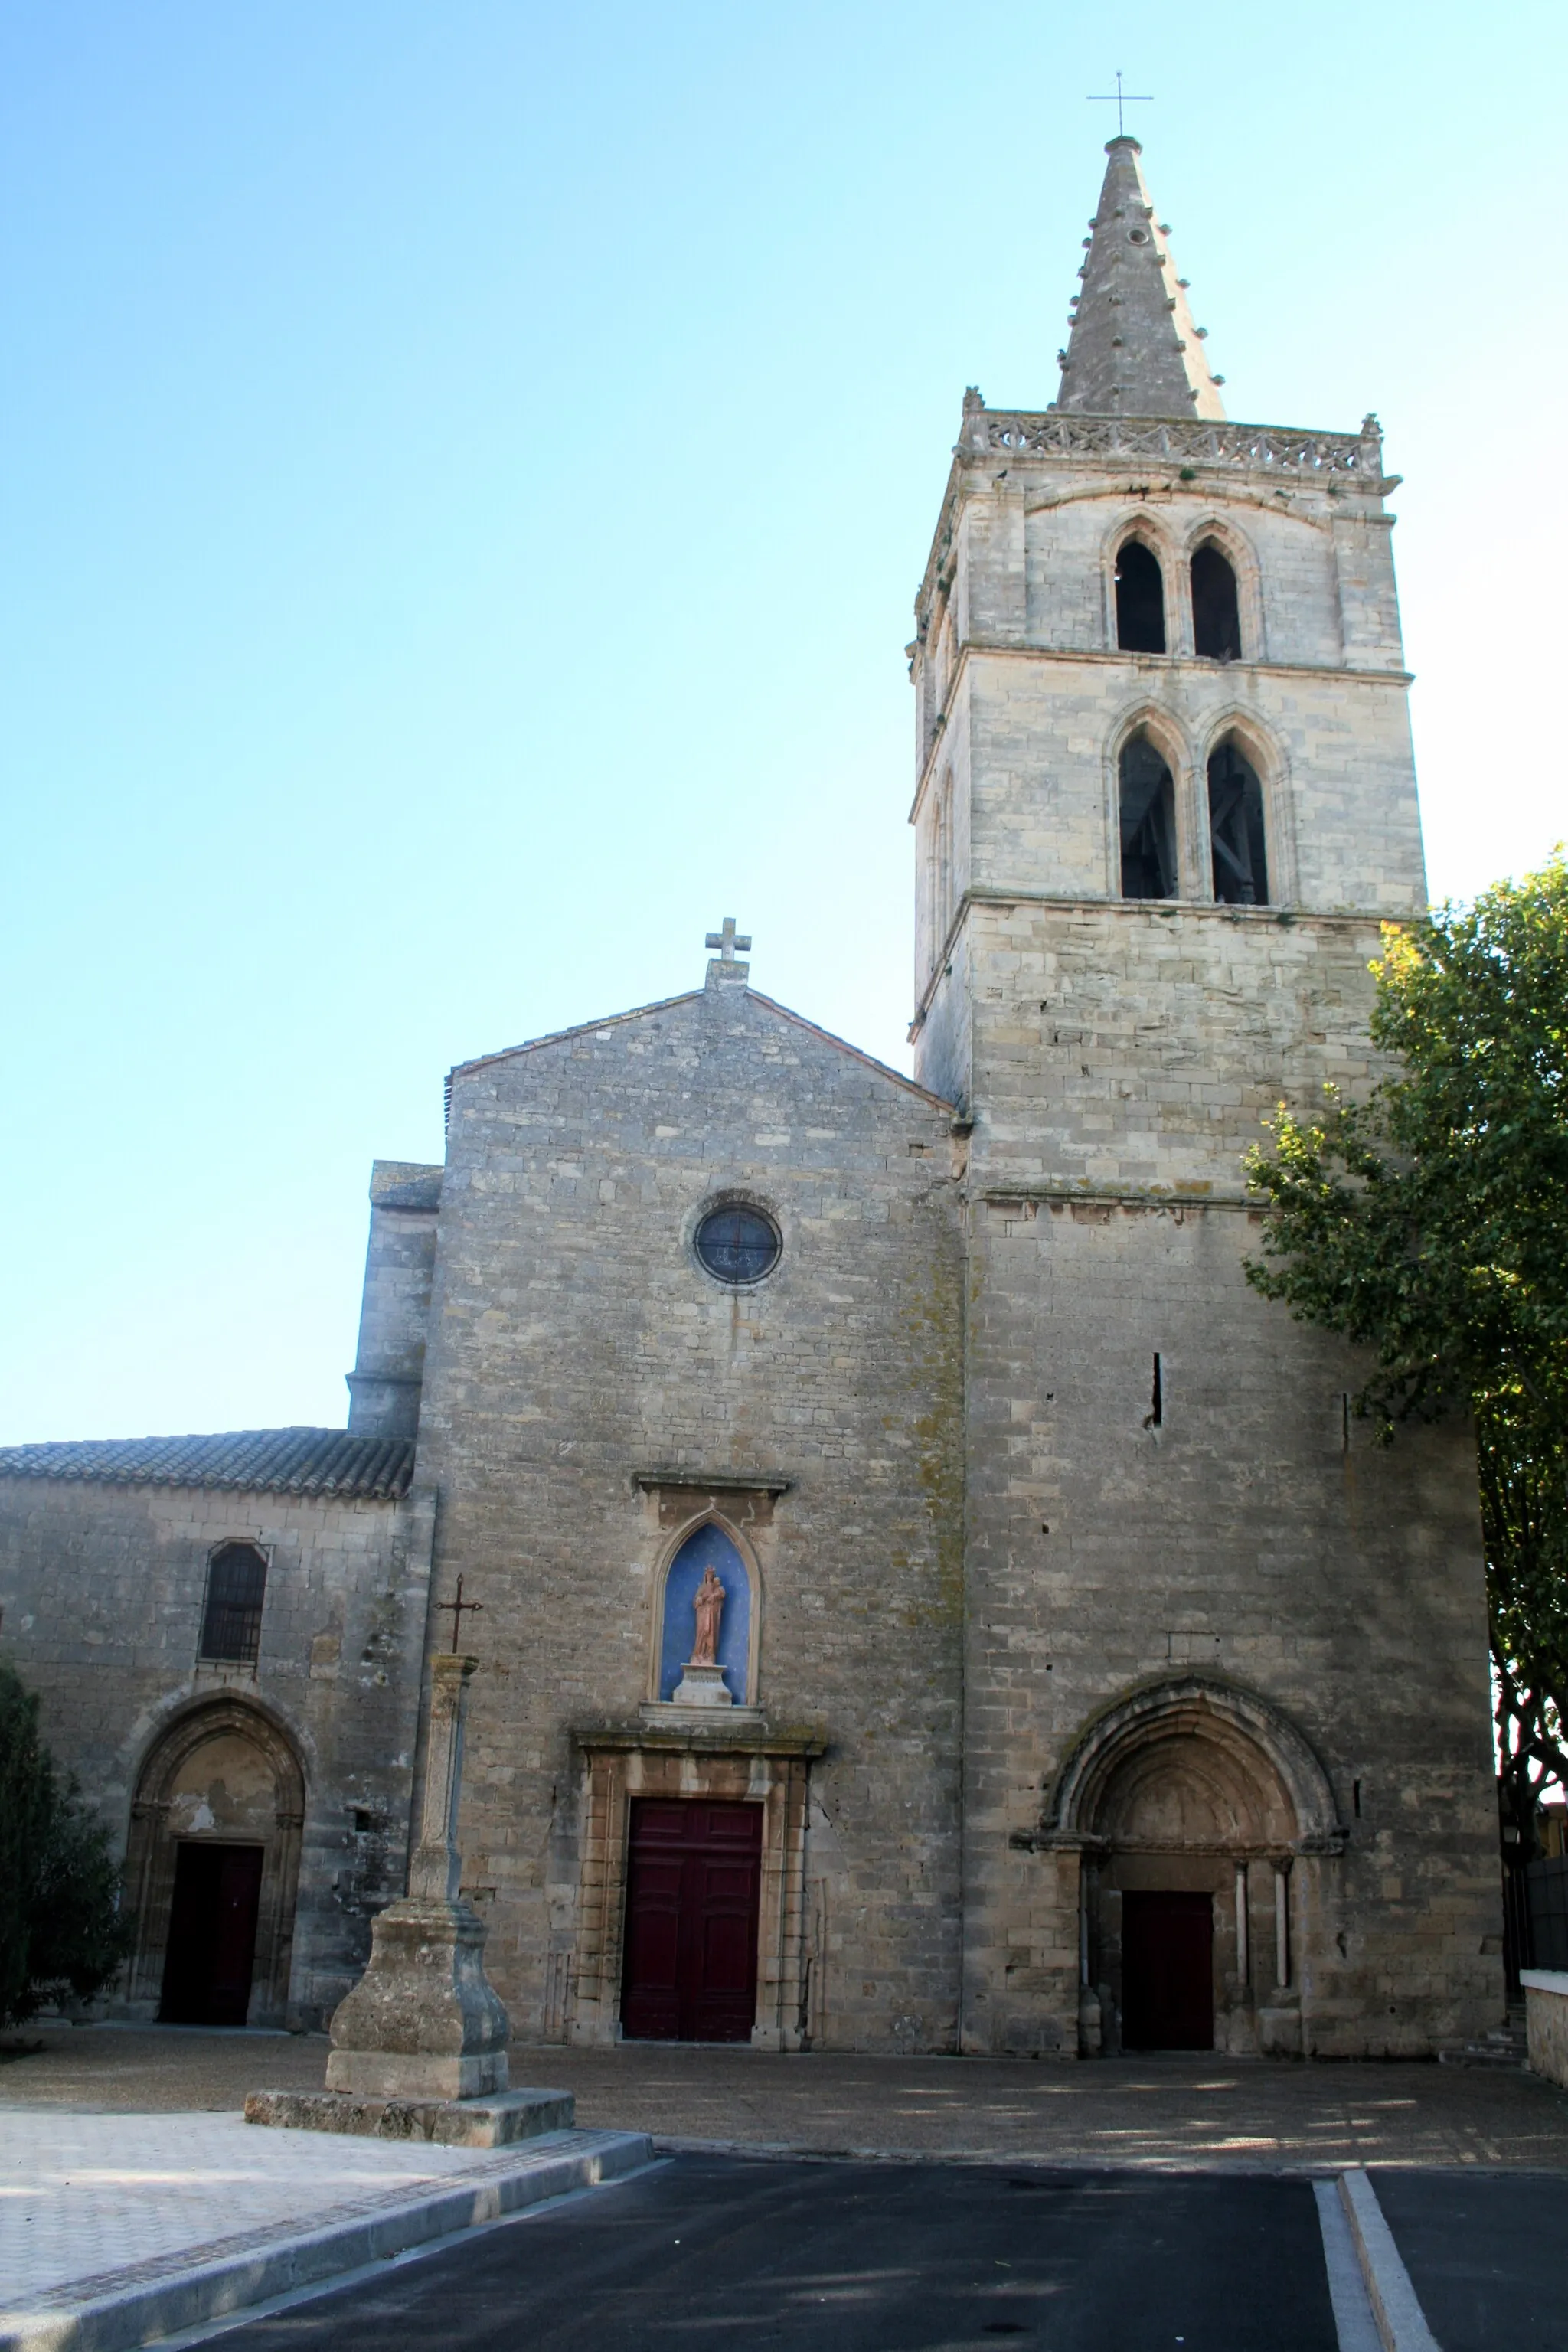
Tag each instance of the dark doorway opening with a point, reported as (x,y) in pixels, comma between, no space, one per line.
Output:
(693,1888)
(1216,613)
(1167,1971)
(1236,830)
(1148,800)
(1139,600)
(212,1934)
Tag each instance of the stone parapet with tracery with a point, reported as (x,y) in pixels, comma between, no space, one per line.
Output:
(1185,440)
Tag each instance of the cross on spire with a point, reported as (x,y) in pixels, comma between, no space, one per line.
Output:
(728,940)
(459,1609)
(1119,98)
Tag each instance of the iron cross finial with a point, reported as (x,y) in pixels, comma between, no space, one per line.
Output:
(459,1609)
(729,940)
(1119,98)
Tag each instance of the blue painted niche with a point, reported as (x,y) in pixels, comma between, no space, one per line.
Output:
(709,1546)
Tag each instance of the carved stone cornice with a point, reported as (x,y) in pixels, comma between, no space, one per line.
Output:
(715,1482)
(786,1740)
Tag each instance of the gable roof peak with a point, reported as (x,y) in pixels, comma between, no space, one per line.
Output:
(1133,350)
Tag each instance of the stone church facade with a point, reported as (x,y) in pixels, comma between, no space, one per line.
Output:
(927,1602)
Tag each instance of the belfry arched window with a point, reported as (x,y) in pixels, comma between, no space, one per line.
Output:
(1236,832)
(1139,600)
(1217,609)
(1148,809)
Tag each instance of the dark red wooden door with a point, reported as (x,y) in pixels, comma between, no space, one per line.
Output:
(1167,1971)
(694,1885)
(212,1934)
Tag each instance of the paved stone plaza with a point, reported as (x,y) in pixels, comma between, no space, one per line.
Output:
(1140,2111)
(101,2192)
(119,2226)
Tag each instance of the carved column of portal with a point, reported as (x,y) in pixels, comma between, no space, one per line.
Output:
(423,2021)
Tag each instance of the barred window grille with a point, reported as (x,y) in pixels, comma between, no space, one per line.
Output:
(236,1587)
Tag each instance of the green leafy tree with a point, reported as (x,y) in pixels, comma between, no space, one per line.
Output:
(61,1927)
(1429,1223)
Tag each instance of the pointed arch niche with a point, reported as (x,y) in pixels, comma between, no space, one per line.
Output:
(726,1523)
(711,1545)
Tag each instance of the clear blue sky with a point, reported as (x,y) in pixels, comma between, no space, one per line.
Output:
(466,470)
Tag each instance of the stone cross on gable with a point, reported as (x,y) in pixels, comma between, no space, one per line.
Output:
(728,940)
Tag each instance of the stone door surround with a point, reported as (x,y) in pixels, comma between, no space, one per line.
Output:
(152,1852)
(746,1765)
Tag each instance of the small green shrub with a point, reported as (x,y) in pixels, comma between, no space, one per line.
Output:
(62,1929)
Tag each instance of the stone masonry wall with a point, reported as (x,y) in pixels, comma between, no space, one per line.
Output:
(102,1591)
(400,1260)
(1546,2023)
(1124,1056)
(1031,545)
(1255,1534)
(575,1341)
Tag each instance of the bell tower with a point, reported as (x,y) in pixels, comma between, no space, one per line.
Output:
(1165,797)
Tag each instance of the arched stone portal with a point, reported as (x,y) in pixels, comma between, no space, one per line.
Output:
(1192,1804)
(216,1826)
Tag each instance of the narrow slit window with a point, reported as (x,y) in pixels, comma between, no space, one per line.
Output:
(1216,613)
(1139,600)
(1148,813)
(237,1587)
(1155,1417)
(1236,830)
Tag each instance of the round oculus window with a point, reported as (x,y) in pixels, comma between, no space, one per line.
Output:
(738,1244)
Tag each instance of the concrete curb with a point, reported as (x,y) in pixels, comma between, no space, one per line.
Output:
(121,2310)
(1401,2322)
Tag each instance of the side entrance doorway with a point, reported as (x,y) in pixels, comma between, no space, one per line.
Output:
(693,1890)
(1167,1971)
(211,1951)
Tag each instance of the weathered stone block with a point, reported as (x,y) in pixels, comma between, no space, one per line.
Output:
(494,2122)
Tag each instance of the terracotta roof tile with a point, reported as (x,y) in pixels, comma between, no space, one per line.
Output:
(272,1461)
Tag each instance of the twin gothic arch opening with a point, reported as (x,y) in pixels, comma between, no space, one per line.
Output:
(1232,833)
(1144,618)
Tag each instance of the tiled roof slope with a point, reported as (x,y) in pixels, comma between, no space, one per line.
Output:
(272,1461)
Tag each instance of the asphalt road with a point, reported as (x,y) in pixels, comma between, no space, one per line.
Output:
(715,2253)
(1487,2254)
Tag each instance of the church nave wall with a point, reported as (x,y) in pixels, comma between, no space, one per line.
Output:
(586,1381)
(102,1590)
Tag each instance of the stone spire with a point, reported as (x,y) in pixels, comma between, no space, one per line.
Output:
(1133,350)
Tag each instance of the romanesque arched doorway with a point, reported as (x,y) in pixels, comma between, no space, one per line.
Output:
(212,1868)
(1192,1804)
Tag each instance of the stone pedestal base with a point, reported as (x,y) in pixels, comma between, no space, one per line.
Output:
(423,2023)
(451,2123)
(702,1687)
